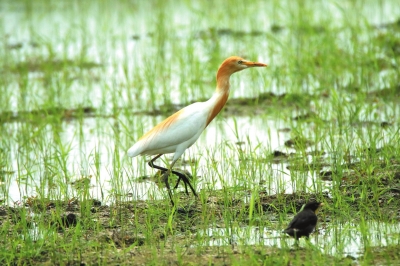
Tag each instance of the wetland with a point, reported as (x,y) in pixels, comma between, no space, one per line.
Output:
(82,81)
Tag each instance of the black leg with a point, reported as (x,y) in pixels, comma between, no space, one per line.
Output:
(177,183)
(166,173)
(185,180)
(165,176)
(152,165)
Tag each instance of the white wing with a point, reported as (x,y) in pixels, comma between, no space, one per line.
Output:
(179,130)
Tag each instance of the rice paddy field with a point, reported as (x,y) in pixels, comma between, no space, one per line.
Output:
(82,81)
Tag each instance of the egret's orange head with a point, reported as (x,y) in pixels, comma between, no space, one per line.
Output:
(235,63)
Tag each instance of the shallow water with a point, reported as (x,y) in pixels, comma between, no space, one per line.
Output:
(124,39)
(346,239)
(126,42)
(232,146)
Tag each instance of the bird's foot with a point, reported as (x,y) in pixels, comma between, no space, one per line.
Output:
(185,179)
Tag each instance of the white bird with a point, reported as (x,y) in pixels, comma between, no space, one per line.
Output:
(181,130)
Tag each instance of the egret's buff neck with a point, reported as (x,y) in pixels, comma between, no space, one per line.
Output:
(220,97)
(226,69)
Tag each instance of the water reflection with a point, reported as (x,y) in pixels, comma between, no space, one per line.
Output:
(231,152)
(333,239)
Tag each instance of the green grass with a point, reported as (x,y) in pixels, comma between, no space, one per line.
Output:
(82,81)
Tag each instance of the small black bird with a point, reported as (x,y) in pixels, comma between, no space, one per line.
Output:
(303,224)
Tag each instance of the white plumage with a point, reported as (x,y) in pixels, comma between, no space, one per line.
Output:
(181,130)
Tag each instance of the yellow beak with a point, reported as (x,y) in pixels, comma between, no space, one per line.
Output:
(254,64)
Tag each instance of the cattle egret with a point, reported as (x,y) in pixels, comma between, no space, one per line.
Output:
(179,131)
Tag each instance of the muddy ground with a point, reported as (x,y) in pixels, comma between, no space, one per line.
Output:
(124,226)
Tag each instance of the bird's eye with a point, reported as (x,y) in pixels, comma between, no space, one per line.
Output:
(240,62)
